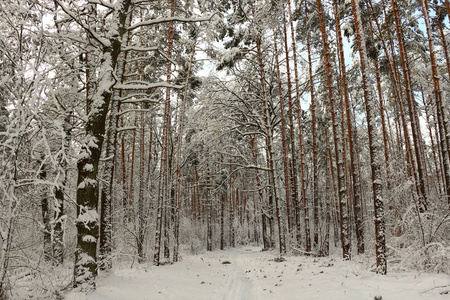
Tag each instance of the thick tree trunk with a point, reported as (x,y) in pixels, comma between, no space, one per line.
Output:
(105,238)
(87,221)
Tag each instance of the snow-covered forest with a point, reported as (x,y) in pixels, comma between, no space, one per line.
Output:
(146,133)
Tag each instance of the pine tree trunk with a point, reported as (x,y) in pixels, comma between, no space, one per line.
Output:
(330,198)
(314,149)
(130,204)
(126,213)
(359,228)
(422,201)
(222,222)
(383,121)
(142,186)
(178,161)
(164,166)
(370,106)
(440,105)
(209,226)
(293,175)
(437,160)
(345,243)
(266,239)
(395,75)
(284,139)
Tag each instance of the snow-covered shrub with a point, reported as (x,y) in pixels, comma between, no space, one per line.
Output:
(421,241)
(191,237)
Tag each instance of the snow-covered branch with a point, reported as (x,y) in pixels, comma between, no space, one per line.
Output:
(133,110)
(72,14)
(167,20)
(145,86)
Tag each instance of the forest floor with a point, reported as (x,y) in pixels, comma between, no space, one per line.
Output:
(247,273)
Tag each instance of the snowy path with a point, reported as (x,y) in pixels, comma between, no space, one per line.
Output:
(247,273)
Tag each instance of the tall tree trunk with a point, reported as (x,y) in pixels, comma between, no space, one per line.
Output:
(126,212)
(422,201)
(370,105)
(164,166)
(440,105)
(142,185)
(343,209)
(178,161)
(395,76)
(270,152)
(383,121)
(130,204)
(266,239)
(437,160)
(87,221)
(294,183)
(314,147)
(222,221)
(353,168)
(105,237)
(284,139)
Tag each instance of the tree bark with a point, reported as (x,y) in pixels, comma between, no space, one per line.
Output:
(370,105)
(440,106)
(359,228)
(87,221)
(270,152)
(343,209)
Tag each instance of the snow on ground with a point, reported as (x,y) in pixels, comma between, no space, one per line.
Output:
(247,273)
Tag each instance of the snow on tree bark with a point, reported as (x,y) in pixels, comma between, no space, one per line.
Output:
(87,221)
(353,167)
(440,105)
(370,106)
(283,138)
(345,242)
(270,152)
